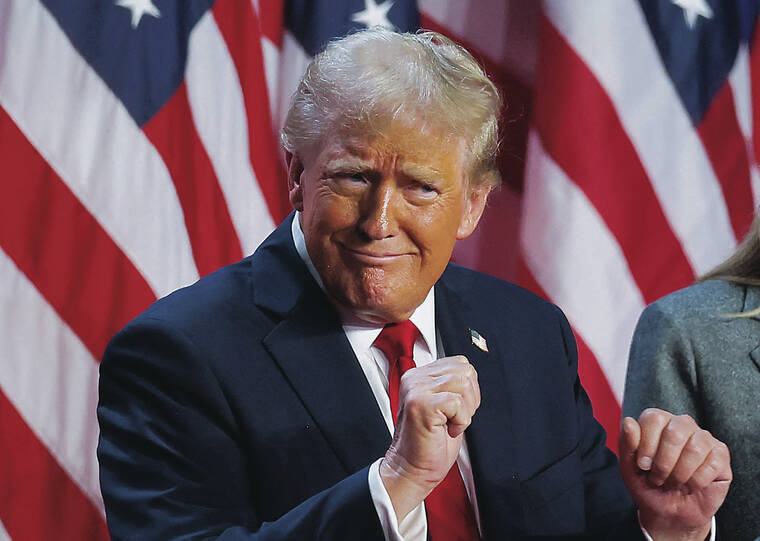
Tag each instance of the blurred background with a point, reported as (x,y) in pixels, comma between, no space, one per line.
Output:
(139,152)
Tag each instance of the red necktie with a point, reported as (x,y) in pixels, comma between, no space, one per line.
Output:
(449,514)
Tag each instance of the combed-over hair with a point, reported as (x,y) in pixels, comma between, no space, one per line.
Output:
(365,79)
(743,266)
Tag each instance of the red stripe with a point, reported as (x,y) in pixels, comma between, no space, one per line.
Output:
(38,500)
(515,114)
(754,72)
(725,146)
(606,408)
(213,237)
(271,14)
(61,248)
(494,245)
(581,131)
(239,26)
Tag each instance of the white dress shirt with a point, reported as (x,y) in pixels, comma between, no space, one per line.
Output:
(374,364)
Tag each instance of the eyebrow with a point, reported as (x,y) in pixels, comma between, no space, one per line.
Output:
(421,172)
(354,163)
(346,165)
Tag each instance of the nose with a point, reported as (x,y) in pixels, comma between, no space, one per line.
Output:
(379,212)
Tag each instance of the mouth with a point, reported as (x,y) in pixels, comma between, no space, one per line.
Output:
(371,257)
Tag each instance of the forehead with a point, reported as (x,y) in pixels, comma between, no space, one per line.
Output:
(400,142)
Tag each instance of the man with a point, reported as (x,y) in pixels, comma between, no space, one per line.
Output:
(260,402)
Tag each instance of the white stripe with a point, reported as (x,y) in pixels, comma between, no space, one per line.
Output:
(4,535)
(739,80)
(50,377)
(86,135)
(614,41)
(741,88)
(218,110)
(293,62)
(754,176)
(579,264)
(504,31)
(272,66)
(462,18)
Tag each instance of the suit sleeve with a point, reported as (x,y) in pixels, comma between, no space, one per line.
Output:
(609,508)
(661,368)
(173,465)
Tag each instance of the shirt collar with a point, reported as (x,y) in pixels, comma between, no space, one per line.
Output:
(300,241)
(361,334)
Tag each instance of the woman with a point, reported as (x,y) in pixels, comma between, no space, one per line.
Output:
(697,351)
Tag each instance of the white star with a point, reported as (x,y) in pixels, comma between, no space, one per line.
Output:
(139,8)
(693,9)
(374,14)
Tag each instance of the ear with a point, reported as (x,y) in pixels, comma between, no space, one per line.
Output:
(295,169)
(475,204)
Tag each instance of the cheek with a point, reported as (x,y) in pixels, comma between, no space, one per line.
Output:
(332,212)
(437,230)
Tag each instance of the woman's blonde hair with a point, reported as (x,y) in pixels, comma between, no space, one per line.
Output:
(743,266)
(370,77)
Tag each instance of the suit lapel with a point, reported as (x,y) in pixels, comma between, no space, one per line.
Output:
(312,351)
(490,437)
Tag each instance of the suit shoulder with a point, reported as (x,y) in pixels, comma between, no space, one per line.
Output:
(225,293)
(705,301)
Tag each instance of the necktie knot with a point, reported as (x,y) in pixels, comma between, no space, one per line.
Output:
(396,340)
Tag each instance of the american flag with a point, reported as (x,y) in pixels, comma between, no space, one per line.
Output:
(138,151)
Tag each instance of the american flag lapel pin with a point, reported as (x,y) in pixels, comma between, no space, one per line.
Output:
(478,341)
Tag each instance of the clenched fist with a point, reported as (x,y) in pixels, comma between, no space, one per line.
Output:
(436,405)
(677,473)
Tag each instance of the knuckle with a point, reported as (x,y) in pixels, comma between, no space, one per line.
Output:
(714,463)
(650,413)
(472,374)
(415,399)
(675,433)
(723,450)
(685,418)
(412,407)
(698,444)
(712,467)
(458,401)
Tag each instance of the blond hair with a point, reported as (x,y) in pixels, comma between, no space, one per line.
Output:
(743,266)
(367,78)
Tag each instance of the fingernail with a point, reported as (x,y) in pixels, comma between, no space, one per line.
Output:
(645,462)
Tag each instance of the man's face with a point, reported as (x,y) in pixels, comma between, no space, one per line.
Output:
(381,215)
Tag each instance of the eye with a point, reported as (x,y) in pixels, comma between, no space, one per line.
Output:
(348,182)
(349,177)
(424,187)
(422,191)
(356,177)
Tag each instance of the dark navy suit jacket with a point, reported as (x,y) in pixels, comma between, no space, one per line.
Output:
(236,409)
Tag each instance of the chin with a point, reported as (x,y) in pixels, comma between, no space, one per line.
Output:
(376,296)
(380,315)
(371,307)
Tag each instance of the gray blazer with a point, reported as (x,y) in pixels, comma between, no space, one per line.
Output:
(687,357)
